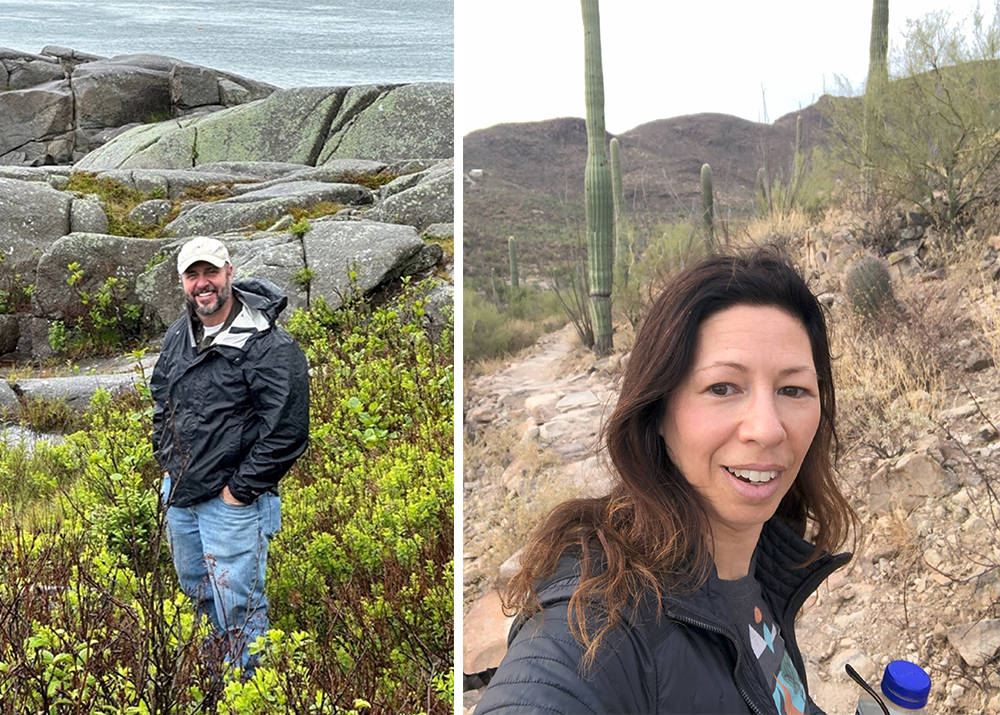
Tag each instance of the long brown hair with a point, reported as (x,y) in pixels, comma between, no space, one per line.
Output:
(647,537)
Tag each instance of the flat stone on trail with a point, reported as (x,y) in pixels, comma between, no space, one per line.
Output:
(546,399)
(484,634)
(955,413)
(976,643)
(555,430)
(578,400)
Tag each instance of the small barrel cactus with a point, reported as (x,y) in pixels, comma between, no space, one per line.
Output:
(867,286)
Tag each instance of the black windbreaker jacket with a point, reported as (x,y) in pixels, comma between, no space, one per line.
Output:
(237,413)
(687,661)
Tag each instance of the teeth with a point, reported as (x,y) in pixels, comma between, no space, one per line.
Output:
(753,475)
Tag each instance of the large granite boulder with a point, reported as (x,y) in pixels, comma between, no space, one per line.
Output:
(63,103)
(164,145)
(174,182)
(419,200)
(99,257)
(266,204)
(310,125)
(336,172)
(110,93)
(407,121)
(24,69)
(288,126)
(32,217)
(37,124)
(374,251)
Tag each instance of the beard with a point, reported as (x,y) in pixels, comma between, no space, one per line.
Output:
(221,298)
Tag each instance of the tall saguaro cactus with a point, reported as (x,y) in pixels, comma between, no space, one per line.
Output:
(597,185)
(623,241)
(800,156)
(878,80)
(515,281)
(708,206)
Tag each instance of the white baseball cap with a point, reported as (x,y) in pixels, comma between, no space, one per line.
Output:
(210,250)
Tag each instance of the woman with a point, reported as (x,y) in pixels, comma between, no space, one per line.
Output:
(678,591)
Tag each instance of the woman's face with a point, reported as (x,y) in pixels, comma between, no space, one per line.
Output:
(741,422)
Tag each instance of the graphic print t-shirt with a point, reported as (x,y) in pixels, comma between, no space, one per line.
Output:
(762,641)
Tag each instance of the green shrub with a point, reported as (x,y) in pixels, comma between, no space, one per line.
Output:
(105,320)
(15,293)
(360,580)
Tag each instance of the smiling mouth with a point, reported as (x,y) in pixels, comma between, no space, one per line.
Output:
(752,475)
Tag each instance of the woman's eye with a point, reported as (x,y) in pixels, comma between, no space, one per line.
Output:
(722,389)
(793,391)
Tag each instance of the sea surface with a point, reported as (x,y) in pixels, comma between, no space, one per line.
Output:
(288,43)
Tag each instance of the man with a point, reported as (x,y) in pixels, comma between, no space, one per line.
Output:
(231,416)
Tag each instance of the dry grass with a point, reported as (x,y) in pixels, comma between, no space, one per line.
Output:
(780,230)
(890,385)
(499,519)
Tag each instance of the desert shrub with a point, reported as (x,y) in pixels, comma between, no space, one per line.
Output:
(669,247)
(941,137)
(488,333)
(890,389)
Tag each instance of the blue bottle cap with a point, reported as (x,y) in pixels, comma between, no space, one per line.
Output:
(906,684)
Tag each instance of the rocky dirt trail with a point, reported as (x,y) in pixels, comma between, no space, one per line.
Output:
(921,587)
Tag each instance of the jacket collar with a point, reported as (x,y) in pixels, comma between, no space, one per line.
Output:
(785,582)
(244,323)
(780,553)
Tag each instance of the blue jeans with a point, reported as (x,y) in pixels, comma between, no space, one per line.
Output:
(220,553)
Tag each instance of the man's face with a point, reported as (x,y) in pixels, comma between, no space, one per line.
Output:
(208,289)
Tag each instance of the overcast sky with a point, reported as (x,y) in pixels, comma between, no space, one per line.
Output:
(522,60)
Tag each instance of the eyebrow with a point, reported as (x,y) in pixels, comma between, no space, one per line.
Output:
(793,370)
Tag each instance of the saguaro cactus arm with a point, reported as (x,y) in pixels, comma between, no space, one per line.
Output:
(623,240)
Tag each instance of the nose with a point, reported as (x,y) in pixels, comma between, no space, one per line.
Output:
(762,422)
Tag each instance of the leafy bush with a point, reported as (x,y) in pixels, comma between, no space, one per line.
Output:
(360,580)
(105,320)
(15,292)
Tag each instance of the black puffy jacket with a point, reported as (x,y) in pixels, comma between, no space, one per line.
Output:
(236,413)
(687,661)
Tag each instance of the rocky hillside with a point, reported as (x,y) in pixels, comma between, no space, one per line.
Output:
(918,409)
(325,191)
(526,179)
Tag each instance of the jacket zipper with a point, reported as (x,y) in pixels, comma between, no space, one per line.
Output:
(739,654)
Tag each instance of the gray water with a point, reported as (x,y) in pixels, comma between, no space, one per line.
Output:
(289,43)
